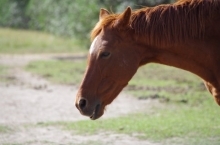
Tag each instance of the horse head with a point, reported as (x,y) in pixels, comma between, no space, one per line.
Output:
(112,62)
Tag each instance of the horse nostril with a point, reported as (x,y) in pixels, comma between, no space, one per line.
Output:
(82,103)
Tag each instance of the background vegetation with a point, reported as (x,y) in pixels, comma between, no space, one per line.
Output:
(23,41)
(70,18)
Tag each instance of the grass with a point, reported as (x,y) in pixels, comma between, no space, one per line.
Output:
(3,70)
(189,115)
(152,81)
(167,84)
(189,125)
(22,41)
(63,72)
(4,74)
(161,76)
(4,129)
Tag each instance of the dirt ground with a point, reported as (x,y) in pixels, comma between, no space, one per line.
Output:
(30,99)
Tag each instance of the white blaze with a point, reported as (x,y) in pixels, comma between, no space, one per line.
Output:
(92,47)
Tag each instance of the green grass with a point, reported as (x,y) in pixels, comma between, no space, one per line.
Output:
(152,81)
(188,116)
(4,70)
(154,75)
(4,129)
(188,125)
(63,72)
(166,83)
(22,41)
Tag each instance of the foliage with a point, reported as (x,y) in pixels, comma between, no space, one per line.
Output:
(120,5)
(71,18)
(13,13)
(68,18)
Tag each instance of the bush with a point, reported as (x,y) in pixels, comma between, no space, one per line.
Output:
(71,18)
(67,18)
(13,13)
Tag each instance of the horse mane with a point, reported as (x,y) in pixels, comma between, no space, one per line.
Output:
(167,23)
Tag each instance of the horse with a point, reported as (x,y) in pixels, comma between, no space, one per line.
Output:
(185,34)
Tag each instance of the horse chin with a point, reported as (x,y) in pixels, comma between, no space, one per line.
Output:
(97,113)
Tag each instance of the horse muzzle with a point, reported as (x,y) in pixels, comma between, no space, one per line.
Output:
(94,110)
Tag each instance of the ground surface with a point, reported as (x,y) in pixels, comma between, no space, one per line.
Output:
(29,100)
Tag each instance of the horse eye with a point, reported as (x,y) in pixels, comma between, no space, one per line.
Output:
(105,54)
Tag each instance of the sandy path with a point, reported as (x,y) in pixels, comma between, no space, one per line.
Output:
(30,99)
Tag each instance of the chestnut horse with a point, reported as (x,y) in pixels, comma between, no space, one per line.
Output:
(185,35)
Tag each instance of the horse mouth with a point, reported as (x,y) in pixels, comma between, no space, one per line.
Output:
(96,113)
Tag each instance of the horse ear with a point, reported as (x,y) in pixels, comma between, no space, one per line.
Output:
(103,13)
(124,19)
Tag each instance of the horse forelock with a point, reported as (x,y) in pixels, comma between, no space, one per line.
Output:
(104,22)
(168,23)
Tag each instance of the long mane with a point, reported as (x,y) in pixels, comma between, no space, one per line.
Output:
(163,24)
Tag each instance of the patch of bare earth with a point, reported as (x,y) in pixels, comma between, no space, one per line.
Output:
(30,99)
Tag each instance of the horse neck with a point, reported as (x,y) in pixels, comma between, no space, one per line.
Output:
(190,56)
(199,57)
